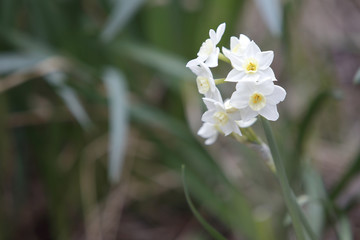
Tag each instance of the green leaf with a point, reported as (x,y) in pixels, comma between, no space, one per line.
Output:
(18,61)
(159,60)
(346,178)
(123,11)
(118,107)
(344,228)
(70,98)
(271,11)
(213,232)
(315,191)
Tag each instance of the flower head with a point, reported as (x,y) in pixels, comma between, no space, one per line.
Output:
(254,98)
(252,65)
(237,46)
(208,52)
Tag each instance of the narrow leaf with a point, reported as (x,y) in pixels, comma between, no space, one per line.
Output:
(123,11)
(271,11)
(357,77)
(213,232)
(70,98)
(118,104)
(17,61)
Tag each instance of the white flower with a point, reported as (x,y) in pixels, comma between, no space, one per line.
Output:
(205,81)
(237,46)
(208,52)
(251,65)
(241,123)
(209,131)
(222,119)
(253,98)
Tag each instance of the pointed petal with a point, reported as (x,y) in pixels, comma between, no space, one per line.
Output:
(235,76)
(219,32)
(251,50)
(212,35)
(269,112)
(193,62)
(207,130)
(245,124)
(239,100)
(266,87)
(212,61)
(267,73)
(278,95)
(227,128)
(234,41)
(265,59)
(208,116)
(211,139)
(247,114)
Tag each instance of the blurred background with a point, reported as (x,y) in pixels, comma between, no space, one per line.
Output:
(98,114)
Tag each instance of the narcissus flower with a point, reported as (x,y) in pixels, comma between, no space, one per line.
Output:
(253,98)
(208,52)
(220,117)
(205,81)
(237,46)
(252,65)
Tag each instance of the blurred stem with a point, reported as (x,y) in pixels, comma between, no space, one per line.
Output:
(223,58)
(298,219)
(219,81)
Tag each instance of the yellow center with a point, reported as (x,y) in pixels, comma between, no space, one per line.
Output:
(202,84)
(221,118)
(257,101)
(251,66)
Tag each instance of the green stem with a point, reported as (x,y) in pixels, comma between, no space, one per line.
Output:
(219,81)
(298,219)
(223,58)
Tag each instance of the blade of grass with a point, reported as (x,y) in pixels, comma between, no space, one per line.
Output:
(116,88)
(213,232)
(70,98)
(298,219)
(123,11)
(346,178)
(271,12)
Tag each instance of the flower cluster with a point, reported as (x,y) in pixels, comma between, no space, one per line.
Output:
(255,93)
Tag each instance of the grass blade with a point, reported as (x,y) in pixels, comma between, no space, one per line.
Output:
(14,61)
(271,11)
(70,98)
(213,232)
(123,11)
(116,88)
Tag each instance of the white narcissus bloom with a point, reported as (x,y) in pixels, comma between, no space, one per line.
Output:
(222,119)
(254,98)
(208,52)
(205,80)
(208,131)
(237,46)
(252,65)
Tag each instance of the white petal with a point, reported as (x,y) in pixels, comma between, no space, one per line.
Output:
(269,112)
(251,50)
(227,52)
(247,114)
(266,87)
(236,128)
(235,115)
(234,41)
(214,94)
(207,130)
(227,128)
(267,73)
(244,40)
(210,103)
(245,124)
(212,35)
(278,95)
(246,88)
(235,76)
(212,61)
(265,59)
(219,32)
(239,100)
(212,139)
(208,116)
(193,62)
